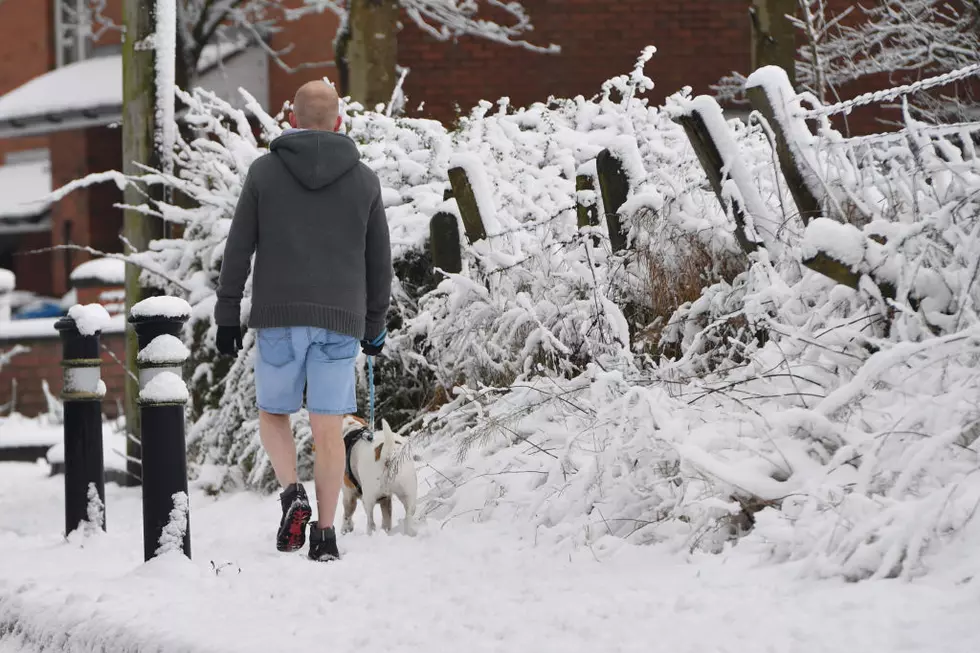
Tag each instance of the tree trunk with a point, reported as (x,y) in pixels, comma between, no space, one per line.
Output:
(372,51)
(773,36)
(139,111)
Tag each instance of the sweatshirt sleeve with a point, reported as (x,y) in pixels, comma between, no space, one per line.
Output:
(242,239)
(377,262)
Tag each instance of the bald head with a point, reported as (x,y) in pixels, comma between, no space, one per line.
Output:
(316,106)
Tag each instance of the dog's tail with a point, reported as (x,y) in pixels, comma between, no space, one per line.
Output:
(388,447)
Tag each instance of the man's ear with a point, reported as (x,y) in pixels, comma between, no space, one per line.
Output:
(340,122)
(292,120)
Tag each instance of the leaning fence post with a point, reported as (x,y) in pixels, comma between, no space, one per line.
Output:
(469,209)
(614,186)
(773,79)
(444,244)
(163,395)
(82,393)
(714,167)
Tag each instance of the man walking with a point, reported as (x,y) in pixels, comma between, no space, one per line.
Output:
(312,214)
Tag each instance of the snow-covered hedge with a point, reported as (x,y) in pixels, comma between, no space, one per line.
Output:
(816,422)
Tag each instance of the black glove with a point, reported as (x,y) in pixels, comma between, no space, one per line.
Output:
(229,340)
(374,346)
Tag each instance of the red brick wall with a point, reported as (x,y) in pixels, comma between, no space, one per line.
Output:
(26,51)
(311,39)
(33,271)
(26,41)
(104,152)
(68,162)
(43,362)
(94,219)
(699,41)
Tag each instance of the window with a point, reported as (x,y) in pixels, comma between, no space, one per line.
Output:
(72,28)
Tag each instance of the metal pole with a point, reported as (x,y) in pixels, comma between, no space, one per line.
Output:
(82,395)
(158,322)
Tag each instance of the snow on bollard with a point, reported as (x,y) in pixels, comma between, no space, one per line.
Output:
(163,394)
(82,394)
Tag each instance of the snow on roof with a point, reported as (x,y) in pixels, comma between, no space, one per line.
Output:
(84,85)
(23,188)
(111,271)
(43,327)
(90,91)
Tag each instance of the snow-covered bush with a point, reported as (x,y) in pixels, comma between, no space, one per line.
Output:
(833,425)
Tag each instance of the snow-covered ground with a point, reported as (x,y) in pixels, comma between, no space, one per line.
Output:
(19,431)
(475,587)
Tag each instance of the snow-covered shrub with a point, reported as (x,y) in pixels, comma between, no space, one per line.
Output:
(536,295)
(847,433)
(828,424)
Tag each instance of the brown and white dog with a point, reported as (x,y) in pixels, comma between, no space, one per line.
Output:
(369,476)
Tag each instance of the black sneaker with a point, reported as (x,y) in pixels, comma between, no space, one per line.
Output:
(323,544)
(296,513)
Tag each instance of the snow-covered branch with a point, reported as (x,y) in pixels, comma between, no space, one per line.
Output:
(448,19)
(903,40)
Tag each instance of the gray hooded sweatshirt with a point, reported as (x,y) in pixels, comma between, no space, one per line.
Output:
(312,213)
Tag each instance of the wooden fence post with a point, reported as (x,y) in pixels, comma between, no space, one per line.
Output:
(469,210)
(614,186)
(588,214)
(789,162)
(713,164)
(444,245)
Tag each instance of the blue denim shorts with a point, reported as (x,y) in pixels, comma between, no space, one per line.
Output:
(290,358)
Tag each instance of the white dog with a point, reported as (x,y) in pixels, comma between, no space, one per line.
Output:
(375,473)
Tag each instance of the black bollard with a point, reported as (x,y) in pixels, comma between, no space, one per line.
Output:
(163,395)
(82,395)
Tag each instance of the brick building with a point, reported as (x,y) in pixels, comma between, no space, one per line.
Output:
(60,97)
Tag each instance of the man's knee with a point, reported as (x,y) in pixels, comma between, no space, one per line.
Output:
(281,418)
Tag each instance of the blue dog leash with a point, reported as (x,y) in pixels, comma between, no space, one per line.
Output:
(371,394)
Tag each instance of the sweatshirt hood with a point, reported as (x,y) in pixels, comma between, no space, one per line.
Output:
(316,158)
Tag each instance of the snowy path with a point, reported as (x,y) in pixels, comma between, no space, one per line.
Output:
(472,587)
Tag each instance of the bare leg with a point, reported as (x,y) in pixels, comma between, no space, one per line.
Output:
(328,465)
(350,504)
(385,503)
(277,439)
